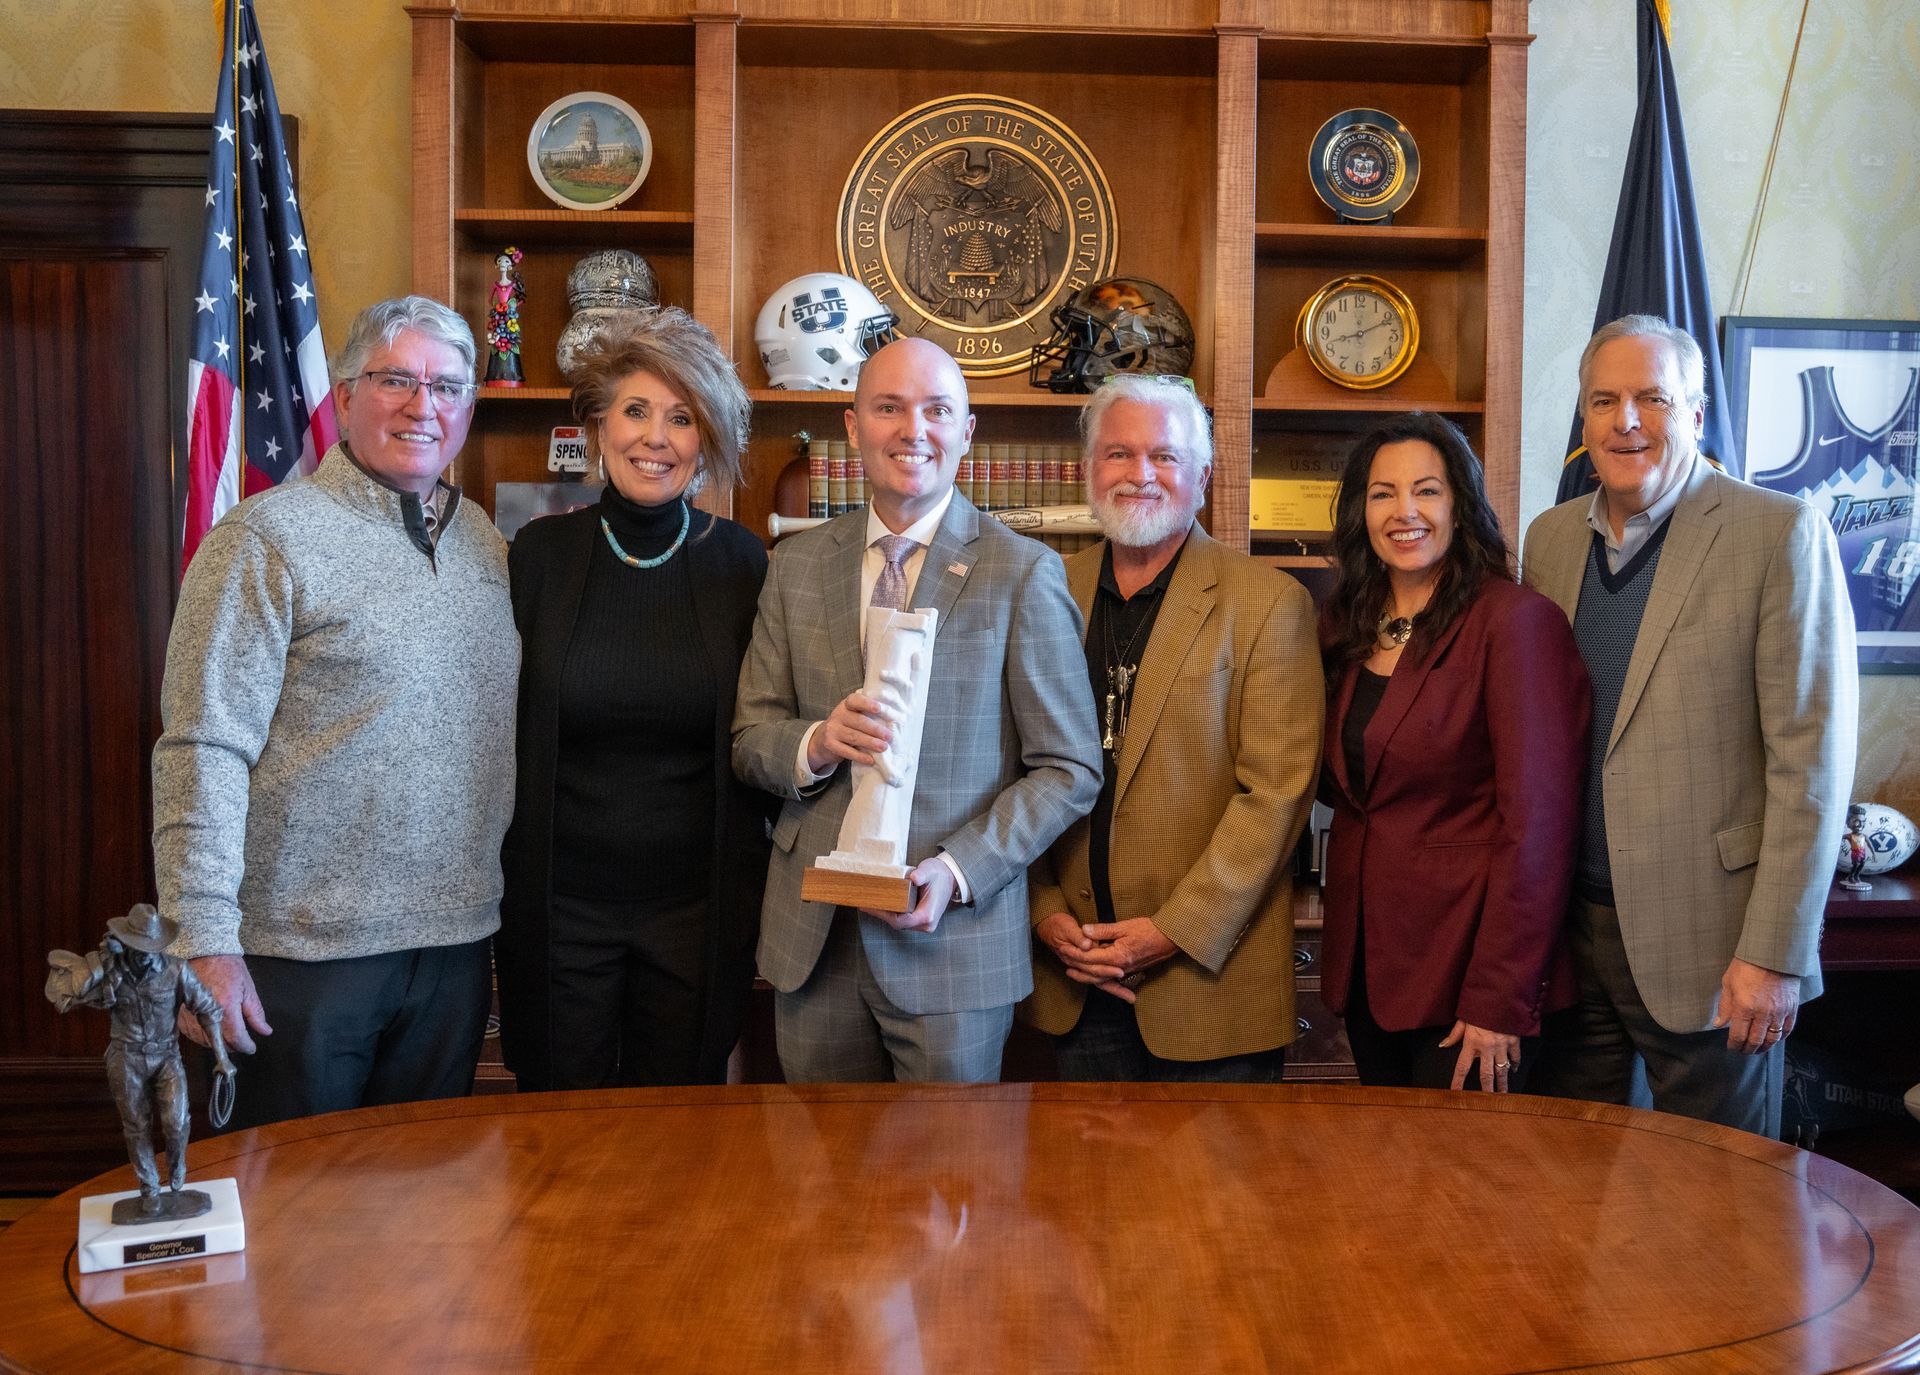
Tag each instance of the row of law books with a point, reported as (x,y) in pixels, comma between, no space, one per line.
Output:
(994,477)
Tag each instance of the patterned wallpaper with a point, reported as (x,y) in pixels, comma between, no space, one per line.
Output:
(1841,235)
(343,68)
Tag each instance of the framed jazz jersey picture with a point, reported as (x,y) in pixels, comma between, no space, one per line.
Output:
(1829,411)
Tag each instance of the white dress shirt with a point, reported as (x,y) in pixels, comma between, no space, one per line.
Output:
(1635,530)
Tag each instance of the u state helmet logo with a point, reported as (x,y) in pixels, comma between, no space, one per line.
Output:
(829,312)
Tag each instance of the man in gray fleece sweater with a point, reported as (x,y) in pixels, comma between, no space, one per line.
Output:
(336,769)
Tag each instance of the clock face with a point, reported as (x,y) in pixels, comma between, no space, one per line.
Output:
(1360,331)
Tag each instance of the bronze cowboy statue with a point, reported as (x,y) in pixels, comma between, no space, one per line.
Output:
(144,988)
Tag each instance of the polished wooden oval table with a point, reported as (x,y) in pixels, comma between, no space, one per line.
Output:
(1029,1228)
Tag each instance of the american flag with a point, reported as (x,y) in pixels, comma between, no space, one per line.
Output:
(257,394)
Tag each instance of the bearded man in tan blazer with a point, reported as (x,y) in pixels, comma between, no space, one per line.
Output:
(1163,921)
(1714,622)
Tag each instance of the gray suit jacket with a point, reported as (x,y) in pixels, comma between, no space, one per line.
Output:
(1008,759)
(1731,756)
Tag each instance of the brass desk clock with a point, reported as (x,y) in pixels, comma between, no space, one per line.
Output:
(1359,331)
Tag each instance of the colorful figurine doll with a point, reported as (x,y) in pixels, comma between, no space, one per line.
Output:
(503,323)
(1854,851)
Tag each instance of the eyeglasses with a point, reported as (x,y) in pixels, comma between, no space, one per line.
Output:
(1170,379)
(398,387)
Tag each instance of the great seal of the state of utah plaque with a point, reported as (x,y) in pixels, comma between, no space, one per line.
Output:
(971,217)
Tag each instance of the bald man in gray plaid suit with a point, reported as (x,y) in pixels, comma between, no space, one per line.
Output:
(1009,757)
(1714,621)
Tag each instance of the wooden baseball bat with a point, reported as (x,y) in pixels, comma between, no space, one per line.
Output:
(1028,520)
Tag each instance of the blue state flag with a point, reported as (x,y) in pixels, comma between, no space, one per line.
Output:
(1655,265)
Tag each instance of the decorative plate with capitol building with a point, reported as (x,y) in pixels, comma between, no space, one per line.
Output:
(971,217)
(589,151)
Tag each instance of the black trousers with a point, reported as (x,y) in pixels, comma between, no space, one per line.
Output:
(626,981)
(1413,1059)
(1105,1046)
(392,1028)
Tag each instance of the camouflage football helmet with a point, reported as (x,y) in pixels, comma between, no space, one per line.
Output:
(1119,325)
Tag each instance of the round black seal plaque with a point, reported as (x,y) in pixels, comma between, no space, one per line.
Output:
(971,217)
(1364,164)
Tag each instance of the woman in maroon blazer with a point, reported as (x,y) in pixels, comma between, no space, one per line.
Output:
(1456,743)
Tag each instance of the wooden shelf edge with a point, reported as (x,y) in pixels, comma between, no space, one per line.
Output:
(653,230)
(1295,385)
(1362,403)
(1365,403)
(1380,242)
(783,397)
(978,400)
(1042,400)
(1290,560)
(558,215)
(1895,895)
(1360,233)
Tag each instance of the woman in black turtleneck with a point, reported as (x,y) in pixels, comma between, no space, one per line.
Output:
(635,863)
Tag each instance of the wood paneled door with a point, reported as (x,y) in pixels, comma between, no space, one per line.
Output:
(100,221)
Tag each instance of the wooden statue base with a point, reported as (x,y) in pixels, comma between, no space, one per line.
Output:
(844,889)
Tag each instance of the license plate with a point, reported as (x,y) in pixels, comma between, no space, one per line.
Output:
(567,451)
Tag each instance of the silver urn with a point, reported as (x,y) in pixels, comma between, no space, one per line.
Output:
(600,287)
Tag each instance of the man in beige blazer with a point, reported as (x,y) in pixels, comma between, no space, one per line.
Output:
(1163,921)
(1714,621)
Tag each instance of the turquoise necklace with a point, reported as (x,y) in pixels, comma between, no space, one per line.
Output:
(686,519)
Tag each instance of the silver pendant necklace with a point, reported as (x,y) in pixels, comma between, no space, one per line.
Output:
(1120,699)
(1120,676)
(1396,630)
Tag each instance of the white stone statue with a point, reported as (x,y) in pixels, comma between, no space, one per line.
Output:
(873,835)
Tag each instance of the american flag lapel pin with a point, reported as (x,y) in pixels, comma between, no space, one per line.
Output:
(959,570)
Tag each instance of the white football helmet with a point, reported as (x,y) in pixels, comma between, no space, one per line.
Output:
(815,332)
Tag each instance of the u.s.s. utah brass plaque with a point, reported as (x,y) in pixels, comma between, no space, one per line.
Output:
(971,217)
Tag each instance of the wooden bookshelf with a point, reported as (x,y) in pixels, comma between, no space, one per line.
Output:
(1199,111)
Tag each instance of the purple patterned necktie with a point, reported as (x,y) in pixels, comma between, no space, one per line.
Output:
(890,588)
